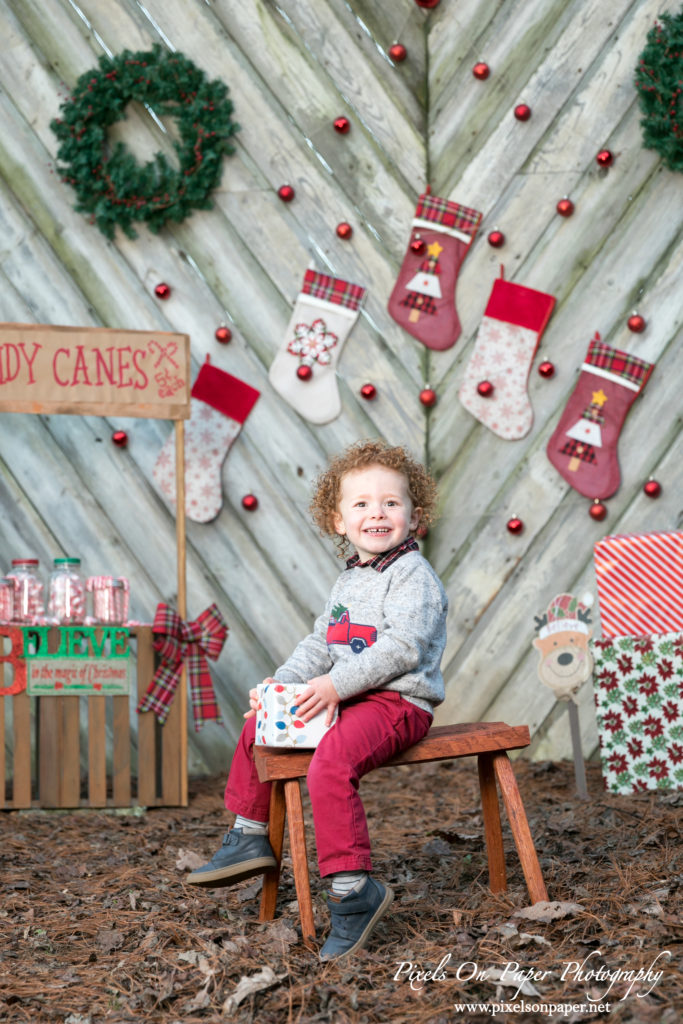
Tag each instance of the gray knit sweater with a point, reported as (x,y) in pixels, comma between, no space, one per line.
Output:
(381,630)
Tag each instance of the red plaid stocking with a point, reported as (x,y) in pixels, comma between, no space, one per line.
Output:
(423,299)
(583,447)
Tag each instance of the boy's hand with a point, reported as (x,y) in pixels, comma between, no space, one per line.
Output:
(319,695)
(253,700)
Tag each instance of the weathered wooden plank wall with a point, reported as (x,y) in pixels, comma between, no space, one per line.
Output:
(292,68)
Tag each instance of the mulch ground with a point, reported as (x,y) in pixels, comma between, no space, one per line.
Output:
(96,923)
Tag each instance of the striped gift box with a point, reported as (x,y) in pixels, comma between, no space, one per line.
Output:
(640,583)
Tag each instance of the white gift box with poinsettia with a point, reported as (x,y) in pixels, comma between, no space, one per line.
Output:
(638,682)
(277,724)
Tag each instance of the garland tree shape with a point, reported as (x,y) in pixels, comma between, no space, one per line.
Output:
(110,184)
(659,81)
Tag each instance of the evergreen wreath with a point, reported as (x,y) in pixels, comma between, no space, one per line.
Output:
(659,81)
(110,184)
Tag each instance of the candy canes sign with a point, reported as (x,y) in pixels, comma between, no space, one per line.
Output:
(94,371)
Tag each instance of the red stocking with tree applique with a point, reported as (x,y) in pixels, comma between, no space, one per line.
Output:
(423,298)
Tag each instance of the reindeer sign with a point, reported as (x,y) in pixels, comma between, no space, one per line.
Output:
(565,661)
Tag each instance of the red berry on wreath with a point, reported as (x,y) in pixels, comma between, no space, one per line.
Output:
(652,488)
(250,502)
(342,125)
(344,230)
(485,388)
(120,438)
(605,158)
(304,372)
(398,53)
(496,238)
(515,525)
(162,290)
(481,70)
(286,193)
(223,334)
(547,369)
(636,323)
(597,511)
(368,391)
(565,207)
(522,112)
(428,397)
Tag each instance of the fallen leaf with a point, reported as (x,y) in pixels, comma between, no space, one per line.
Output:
(526,937)
(515,979)
(107,940)
(248,986)
(188,860)
(546,911)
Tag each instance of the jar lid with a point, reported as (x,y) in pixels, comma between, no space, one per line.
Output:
(24,561)
(67,561)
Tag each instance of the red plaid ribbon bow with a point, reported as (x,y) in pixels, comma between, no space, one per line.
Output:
(190,642)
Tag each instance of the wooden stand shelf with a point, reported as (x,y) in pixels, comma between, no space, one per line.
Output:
(488,741)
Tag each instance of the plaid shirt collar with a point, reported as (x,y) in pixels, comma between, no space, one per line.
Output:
(385,558)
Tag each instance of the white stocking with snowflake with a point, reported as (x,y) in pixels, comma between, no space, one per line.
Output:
(494,388)
(304,369)
(220,404)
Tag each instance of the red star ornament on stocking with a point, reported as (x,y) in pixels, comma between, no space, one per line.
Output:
(423,298)
(220,404)
(304,369)
(583,447)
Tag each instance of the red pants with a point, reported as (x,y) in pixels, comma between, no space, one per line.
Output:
(370,729)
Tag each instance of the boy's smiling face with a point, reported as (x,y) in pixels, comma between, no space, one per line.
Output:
(375,510)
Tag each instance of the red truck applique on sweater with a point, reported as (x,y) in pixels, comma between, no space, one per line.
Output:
(341,630)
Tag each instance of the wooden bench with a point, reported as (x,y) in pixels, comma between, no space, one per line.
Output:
(488,741)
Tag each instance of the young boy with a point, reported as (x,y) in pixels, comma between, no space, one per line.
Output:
(373,497)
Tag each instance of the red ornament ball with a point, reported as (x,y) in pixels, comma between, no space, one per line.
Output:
(162,290)
(428,397)
(597,511)
(250,502)
(481,70)
(485,388)
(223,334)
(565,207)
(496,238)
(422,531)
(427,3)
(522,112)
(342,125)
(653,488)
(418,246)
(120,438)
(398,53)
(515,525)
(344,230)
(547,370)
(636,323)
(304,372)
(605,158)
(368,391)
(286,193)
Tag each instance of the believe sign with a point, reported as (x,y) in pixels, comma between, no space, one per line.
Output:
(95,371)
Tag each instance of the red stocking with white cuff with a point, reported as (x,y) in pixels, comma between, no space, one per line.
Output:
(220,403)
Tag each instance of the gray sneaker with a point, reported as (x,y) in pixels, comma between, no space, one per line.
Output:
(353,918)
(241,855)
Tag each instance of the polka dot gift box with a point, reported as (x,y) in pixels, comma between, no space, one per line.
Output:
(276,721)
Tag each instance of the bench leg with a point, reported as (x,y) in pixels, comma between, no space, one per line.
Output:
(492,828)
(519,827)
(276,833)
(297,843)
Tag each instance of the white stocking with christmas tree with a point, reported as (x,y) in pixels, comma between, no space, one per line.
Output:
(583,448)
(494,388)
(304,369)
(220,403)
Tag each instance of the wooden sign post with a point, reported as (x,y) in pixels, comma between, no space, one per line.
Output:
(102,371)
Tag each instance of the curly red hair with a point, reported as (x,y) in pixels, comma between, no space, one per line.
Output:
(325,503)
